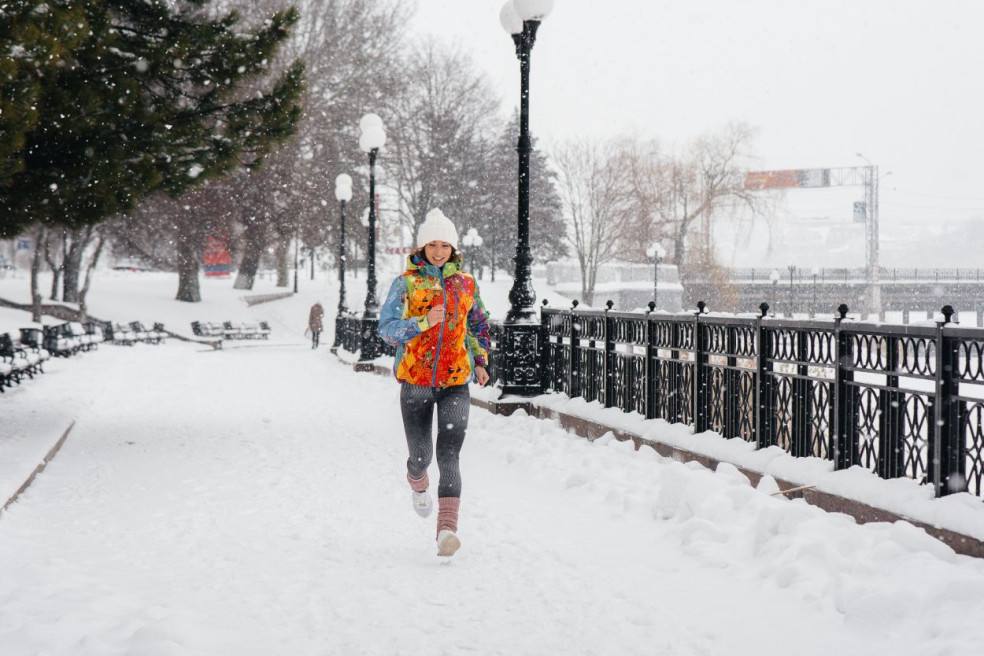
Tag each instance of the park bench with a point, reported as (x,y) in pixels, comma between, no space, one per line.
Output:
(119,334)
(145,335)
(58,343)
(16,361)
(232,330)
(32,341)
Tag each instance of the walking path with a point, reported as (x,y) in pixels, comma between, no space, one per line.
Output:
(253,502)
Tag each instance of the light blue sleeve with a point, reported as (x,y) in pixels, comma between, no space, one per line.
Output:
(392,326)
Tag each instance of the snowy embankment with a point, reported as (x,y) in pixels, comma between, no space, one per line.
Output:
(253,501)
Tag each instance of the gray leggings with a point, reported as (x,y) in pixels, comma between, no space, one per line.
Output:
(453,404)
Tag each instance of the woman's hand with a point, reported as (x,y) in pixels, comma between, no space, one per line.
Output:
(435,315)
(481,375)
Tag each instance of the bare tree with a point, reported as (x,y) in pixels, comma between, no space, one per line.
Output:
(442,138)
(351,49)
(594,189)
(676,198)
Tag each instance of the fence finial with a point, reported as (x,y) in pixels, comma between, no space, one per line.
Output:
(544,301)
(948,313)
(764,307)
(701,305)
(610,303)
(574,304)
(842,310)
(652,306)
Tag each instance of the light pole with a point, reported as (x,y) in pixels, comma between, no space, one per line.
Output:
(871,232)
(297,254)
(792,269)
(472,238)
(774,277)
(343,194)
(657,252)
(370,141)
(815,272)
(521,338)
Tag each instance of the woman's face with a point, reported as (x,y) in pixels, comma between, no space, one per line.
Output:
(438,252)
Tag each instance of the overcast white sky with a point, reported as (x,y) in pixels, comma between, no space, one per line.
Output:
(897,80)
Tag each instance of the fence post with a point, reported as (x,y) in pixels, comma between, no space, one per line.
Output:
(609,359)
(700,385)
(845,437)
(763,383)
(650,387)
(573,384)
(948,467)
(547,377)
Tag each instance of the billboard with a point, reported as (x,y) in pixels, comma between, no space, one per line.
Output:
(790,178)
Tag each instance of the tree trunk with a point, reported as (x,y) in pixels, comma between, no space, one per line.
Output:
(283,262)
(42,237)
(188,269)
(56,268)
(254,238)
(83,310)
(73,264)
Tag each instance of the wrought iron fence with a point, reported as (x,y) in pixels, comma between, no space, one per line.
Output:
(896,400)
(349,329)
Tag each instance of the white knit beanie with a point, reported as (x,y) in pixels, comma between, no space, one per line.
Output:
(436,227)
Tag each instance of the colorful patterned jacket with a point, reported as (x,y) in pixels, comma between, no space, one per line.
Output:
(445,354)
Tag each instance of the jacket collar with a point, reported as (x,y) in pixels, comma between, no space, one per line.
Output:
(419,264)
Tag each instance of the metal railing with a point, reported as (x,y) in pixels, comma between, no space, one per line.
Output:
(802,275)
(896,400)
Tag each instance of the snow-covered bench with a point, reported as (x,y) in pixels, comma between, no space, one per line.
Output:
(16,362)
(148,336)
(59,341)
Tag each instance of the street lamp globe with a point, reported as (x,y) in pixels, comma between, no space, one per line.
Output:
(656,250)
(530,10)
(511,21)
(372,139)
(370,120)
(343,188)
(472,238)
(774,276)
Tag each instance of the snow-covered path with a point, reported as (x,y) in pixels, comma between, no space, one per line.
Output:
(252,501)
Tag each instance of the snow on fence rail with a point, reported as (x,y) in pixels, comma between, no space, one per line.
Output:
(896,400)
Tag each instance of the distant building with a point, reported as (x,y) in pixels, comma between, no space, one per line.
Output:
(628,285)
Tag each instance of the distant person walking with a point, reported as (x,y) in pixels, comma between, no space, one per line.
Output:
(435,317)
(314,323)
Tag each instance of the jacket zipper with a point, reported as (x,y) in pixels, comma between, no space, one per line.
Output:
(440,336)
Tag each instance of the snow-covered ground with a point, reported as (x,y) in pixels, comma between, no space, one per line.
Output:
(253,501)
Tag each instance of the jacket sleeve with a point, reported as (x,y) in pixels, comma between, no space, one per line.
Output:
(392,326)
(478,331)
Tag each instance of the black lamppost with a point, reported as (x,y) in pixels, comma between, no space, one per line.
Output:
(370,141)
(521,340)
(657,252)
(343,194)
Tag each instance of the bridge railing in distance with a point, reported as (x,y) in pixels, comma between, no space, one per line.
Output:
(900,401)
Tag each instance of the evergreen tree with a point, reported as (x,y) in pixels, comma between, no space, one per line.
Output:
(119,99)
(499,226)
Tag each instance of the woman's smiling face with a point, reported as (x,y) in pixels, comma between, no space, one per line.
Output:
(438,252)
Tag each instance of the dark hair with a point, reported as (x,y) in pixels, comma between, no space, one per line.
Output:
(420,252)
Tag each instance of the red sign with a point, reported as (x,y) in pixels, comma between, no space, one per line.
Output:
(217,260)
